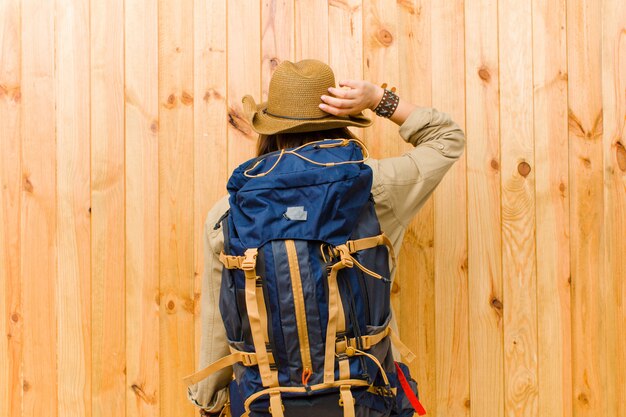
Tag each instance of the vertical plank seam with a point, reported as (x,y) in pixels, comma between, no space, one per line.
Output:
(569,215)
(124,184)
(193,185)
(467,220)
(91,303)
(501,279)
(534,176)
(55,249)
(158,198)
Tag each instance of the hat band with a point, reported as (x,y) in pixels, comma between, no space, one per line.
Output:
(296,118)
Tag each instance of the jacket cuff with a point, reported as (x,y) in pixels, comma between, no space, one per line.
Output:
(216,404)
(417,119)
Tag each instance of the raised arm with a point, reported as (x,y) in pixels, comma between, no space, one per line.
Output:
(406,181)
(358,95)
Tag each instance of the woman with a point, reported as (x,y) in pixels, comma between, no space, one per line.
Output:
(303,106)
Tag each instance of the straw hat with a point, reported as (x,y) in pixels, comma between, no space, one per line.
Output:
(293,101)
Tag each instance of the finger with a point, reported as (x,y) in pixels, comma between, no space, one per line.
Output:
(343,93)
(350,83)
(338,102)
(333,110)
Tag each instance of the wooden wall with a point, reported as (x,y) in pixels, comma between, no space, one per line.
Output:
(120,121)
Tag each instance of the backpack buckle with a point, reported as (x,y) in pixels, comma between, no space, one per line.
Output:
(346,258)
(249,261)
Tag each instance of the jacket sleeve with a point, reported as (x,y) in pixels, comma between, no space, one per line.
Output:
(211,393)
(406,181)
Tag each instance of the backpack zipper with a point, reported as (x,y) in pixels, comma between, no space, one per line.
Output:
(298,301)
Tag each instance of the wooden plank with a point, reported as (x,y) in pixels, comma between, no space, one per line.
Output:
(614,168)
(38,265)
(277,43)
(73,207)
(586,207)
(416,274)
(107,209)
(176,187)
(141,208)
(518,208)
(210,127)
(380,51)
(11,313)
(482,127)
(244,72)
(311,29)
(552,207)
(450,225)
(345,28)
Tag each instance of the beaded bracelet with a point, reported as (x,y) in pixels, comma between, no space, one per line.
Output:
(388,103)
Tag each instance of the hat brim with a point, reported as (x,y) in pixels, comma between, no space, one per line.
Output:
(267,124)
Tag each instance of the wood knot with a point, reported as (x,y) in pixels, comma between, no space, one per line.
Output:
(562,187)
(17,94)
(237,121)
(582,397)
(586,161)
(186,98)
(154,127)
(464,264)
(15,317)
(171,305)
(523,168)
(384,37)
(139,392)
(495,164)
(484,74)
(25,386)
(395,287)
(211,92)
(26,184)
(467,403)
(496,304)
(171,101)
(274,63)
(620,155)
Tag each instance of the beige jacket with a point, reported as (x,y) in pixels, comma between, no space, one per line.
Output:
(401,186)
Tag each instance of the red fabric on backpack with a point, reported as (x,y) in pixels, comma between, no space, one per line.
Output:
(409,392)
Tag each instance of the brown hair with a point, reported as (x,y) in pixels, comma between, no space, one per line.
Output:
(278,141)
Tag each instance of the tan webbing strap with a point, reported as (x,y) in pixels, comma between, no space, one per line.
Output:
(346,401)
(214,367)
(333,313)
(367,341)
(246,359)
(268,378)
(277,409)
(316,387)
(262,313)
(402,348)
(344,360)
(371,242)
(344,367)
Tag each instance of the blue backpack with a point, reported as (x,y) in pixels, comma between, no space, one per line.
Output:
(305,293)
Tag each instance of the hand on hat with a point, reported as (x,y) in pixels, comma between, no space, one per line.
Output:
(358,96)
